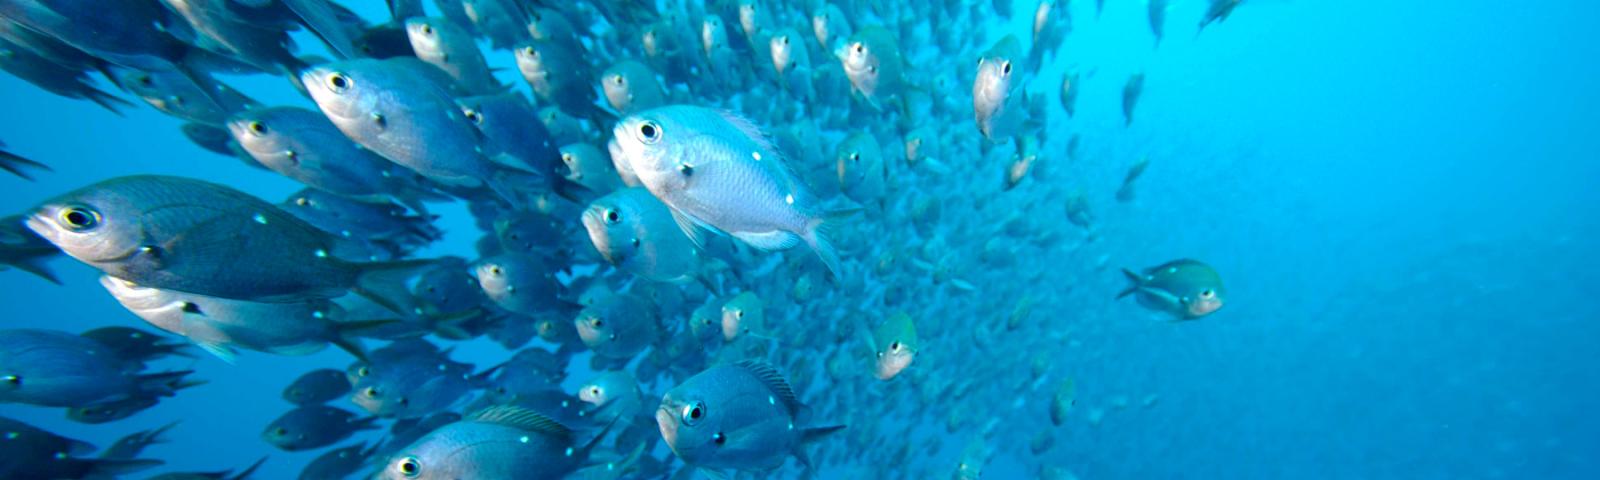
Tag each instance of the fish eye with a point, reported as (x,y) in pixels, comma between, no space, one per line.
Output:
(855,157)
(612,217)
(473,116)
(410,466)
(495,270)
(894,347)
(78,219)
(686,169)
(1005,68)
(650,132)
(784,39)
(692,413)
(739,314)
(529,51)
(363,371)
(719,439)
(1207,294)
(339,82)
(617,79)
(370,392)
(12,380)
(280,431)
(258,128)
(859,48)
(594,391)
(301,201)
(427,29)
(635,242)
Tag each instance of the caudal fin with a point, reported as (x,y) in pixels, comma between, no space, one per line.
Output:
(816,237)
(1135,281)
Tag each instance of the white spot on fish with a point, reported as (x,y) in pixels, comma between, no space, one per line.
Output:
(321,253)
(789,199)
(569,451)
(756,155)
(524,439)
(261,219)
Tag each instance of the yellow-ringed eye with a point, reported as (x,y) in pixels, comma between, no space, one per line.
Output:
(78,218)
(339,83)
(410,466)
(258,128)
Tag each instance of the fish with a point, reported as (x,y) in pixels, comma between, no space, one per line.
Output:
(398,384)
(618,326)
(792,60)
(501,441)
(1062,401)
(304,146)
(340,462)
(135,345)
(398,108)
(586,165)
(717,171)
(318,386)
(445,45)
(53,77)
(872,61)
(382,223)
(175,233)
(1183,288)
(1158,18)
(744,315)
(513,132)
(1130,96)
(999,100)
(634,231)
(32,452)
(114,410)
(58,369)
(1022,162)
(24,250)
(612,395)
(560,77)
(895,345)
(1050,26)
(1069,92)
(631,86)
(830,26)
(314,426)
(1125,192)
(500,20)
(220,326)
(189,97)
(1217,11)
(862,171)
(131,445)
(521,283)
(741,416)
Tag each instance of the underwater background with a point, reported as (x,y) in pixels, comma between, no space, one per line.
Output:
(1401,195)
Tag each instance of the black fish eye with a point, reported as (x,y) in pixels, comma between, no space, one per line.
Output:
(258,127)
(739,314)
(617,79)
(596,323)
(371,392)
(427,29)
(339,82)
(1207,294)
(650,132)
(784,39)
(594,391)
(612,217)
(494,270)
(693,413)
(410,467)
(1005,68)
(859,48)
(12,380)
(719,439)
(146,81)
(855,157)
(894,347)
(363,371)
(635,241)
(79,219)
(473,116)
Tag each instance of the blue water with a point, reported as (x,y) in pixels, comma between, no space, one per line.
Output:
(1400,195)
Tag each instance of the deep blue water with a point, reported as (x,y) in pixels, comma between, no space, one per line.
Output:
(1400,195)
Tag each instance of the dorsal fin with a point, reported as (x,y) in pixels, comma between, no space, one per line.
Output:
(774,381)
(518,417)
(749,129)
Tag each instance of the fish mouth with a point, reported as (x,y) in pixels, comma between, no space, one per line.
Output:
(1204,307)
(668,425)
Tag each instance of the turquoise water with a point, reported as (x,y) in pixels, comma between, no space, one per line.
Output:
(1400,196)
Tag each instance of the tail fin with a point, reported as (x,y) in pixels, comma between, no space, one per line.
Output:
(13,163)
(385,283)
(808,436)
(36,266)
(816,237)
(1135,280)
(107,100)
(164,383)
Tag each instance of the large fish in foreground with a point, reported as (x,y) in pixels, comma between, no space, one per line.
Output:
(741,416)
(193,236)
(720,172)
(502,442)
